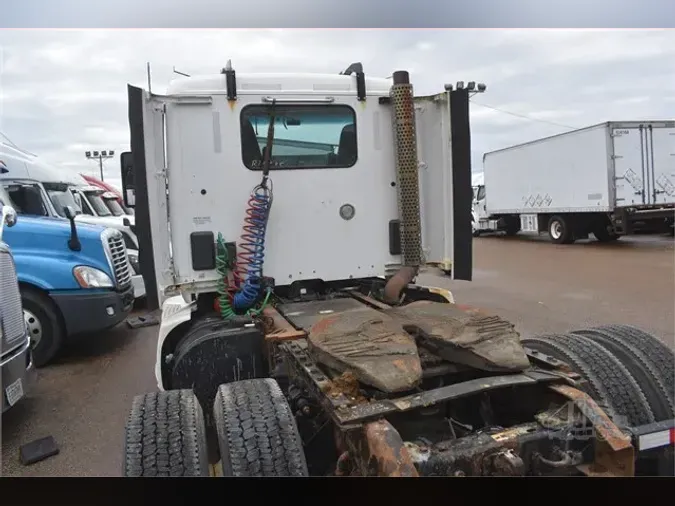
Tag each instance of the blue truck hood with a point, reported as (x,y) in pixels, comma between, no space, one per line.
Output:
(41,252)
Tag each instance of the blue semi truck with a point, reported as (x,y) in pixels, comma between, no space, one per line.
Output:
(74,279)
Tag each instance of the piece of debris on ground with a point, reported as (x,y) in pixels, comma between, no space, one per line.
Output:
(136,322)
(38,450)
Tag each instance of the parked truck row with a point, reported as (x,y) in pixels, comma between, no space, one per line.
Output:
(609,180)
(72,265)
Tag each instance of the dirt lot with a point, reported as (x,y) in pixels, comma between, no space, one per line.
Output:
(83,399)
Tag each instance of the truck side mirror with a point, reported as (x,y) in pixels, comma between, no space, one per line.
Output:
(70,212)
(8,218)
(74,241)
(126,222)
(128,181)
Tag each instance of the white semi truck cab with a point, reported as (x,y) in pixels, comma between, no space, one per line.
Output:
(283,220)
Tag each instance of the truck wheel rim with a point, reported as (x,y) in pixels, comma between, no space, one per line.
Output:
(34,328)
(556,230)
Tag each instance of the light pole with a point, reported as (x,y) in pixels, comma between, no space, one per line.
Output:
(100,156)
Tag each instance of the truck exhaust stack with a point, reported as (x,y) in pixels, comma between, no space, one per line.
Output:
(407,184)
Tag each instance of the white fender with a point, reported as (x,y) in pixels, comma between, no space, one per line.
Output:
(175,310)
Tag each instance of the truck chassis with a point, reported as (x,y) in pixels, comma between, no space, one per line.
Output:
(587,416)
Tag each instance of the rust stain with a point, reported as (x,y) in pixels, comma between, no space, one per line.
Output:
(277,328)
(387,450)
(400,364)
(323,324)
(346,384)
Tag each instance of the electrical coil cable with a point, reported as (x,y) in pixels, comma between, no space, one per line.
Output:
(252,247)
(223,268)
(251,258)
(227,289)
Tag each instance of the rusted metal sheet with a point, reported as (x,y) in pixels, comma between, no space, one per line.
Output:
(544,360)
(373,346)
(387,454)
(278,329)
(359,413)
(368,300)
(614,453)
(474,338)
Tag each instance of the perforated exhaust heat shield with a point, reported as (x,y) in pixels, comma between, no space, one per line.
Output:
(405,146)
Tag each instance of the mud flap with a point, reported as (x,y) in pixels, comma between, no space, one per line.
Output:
(216,352)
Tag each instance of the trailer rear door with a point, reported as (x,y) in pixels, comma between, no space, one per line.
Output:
(662,151)
(644,163)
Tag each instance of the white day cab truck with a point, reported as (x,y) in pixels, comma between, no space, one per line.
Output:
(609,180)
(283,220)
(40,189)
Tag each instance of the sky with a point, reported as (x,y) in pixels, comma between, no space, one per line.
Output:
(63,92)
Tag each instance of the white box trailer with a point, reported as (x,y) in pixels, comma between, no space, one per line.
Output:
(609,179)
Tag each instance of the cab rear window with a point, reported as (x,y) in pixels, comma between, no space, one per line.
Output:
(305,136)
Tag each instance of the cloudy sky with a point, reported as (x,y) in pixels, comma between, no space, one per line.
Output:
(63,92)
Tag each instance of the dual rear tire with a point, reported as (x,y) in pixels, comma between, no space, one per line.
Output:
(627,371)
(255,427)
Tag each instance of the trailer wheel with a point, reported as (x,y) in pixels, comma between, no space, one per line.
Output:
(165,436)
(257,433)
(651,362)
(608,381)
(560,231)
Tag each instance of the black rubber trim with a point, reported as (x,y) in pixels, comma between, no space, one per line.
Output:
(142,208)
